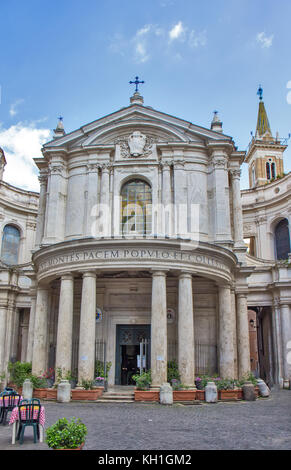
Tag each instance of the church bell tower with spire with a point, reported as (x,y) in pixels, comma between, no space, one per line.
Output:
(265,153)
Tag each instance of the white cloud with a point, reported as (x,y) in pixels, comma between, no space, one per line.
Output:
(264,40)
(152,40)
(177,32)
(197,39)
(13,107)
(141,52)
(21,143)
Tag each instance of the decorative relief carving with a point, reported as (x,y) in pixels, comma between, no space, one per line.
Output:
(56,169)
(236,174)
(248,228)
(135,145)
(219,162)
(92,167)
(261,220)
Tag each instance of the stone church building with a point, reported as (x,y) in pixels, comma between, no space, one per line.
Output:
(141,248)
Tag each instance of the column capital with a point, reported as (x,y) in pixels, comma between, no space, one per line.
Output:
(159,272)
(89,274)
(67,276)
(236,174)
(166,165)
(185,274)
(241,294)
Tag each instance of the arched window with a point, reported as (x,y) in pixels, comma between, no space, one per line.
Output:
(10,244)
(268,171)
(136,201)
(282,239)
(273,166)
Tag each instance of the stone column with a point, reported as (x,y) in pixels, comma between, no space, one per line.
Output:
(186,350)
(39,358)
(65,325)
(41,209)
(243,339)
(92,199)
(86,367)
(277,340)
(237,208)
(159,329)
(226,350)
(221,206)
(180,221)
(3,322)
(286,340)
(29,350)
(105,215)
(56,202)
(166,198)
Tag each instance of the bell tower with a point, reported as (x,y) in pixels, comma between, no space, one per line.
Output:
(265,153)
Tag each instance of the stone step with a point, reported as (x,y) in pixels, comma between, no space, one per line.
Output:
(118,397)
(106,394)
(105,400)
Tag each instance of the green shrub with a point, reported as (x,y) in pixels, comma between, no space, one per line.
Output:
(66,434)
(38,382)
(99,369)
(172,371)
(143,380)
(19,371)
(87,384)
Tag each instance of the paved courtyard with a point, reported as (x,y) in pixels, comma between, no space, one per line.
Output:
(264,424)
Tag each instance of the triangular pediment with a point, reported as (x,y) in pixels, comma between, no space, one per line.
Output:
(159,126)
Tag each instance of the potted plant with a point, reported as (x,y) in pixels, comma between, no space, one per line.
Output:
(66,435)
(172,371)
(99,381)
(49,375)
(87,391)
(39,386)
(142,391)
(248,378)
(200,383)
(182,392)
(227,389)
(101,371)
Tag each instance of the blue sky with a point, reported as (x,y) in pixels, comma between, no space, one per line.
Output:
(75,58)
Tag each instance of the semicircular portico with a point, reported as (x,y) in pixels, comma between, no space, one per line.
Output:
(138,254)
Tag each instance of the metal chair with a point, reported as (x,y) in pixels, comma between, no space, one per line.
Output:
(10,401)
(29,411)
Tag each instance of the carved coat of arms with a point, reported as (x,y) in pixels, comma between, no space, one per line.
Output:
(136,145)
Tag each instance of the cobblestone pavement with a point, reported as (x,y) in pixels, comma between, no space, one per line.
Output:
(264,425)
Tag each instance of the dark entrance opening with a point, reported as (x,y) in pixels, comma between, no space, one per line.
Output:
(128,339)
(129,367)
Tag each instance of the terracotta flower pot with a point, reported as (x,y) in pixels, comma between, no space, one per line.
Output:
(40,393)
(226,395)
(240,394)
(51,394)
(200,395)
(146,395)
(184,395)
(92,395)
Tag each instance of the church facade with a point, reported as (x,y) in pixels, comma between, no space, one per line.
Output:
(138,253)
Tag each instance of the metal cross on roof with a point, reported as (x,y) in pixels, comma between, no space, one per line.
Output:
(260,92)
(136,83)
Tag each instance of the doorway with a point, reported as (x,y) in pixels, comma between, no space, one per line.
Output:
(128,339)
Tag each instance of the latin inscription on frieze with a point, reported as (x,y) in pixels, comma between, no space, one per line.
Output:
(111,255)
